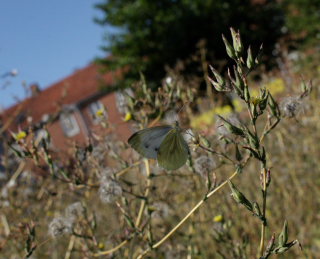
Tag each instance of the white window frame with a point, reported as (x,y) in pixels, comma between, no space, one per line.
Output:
(93,108)
(69,124)
(121,100)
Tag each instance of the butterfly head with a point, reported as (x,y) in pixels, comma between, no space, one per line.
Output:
(176,125)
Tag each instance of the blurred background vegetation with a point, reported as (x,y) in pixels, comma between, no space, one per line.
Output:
(67,215)
(154,35)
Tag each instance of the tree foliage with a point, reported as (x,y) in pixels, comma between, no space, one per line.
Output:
(156,33)
(302,21)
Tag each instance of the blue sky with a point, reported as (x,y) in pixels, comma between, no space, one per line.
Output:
(45,41)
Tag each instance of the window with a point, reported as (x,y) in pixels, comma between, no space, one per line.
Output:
(69,124)
(97,111)
(121,100)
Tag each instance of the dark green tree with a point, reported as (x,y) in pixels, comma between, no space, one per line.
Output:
(302,22)
(155,33)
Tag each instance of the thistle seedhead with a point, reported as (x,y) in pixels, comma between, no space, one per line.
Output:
(291,106)
(75,210)
(204,165)
(60,226)
(109,190)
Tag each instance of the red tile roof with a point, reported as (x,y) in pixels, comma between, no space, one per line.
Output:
(74,88)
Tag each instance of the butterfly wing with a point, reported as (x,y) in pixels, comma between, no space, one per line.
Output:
(147,141)
(174,151)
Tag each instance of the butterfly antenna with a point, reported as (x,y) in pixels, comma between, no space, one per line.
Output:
(183,107)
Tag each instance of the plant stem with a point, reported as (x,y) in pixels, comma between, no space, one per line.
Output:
(111,250)
(143,202)
(125,170)
(252,120)
(217,153)
(264,204)
(187,216)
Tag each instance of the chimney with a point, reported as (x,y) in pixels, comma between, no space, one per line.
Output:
(35,89)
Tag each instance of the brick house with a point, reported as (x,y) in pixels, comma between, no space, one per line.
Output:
(75,101)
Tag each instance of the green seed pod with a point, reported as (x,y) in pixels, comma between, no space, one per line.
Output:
(237,44)
(230,50)
(275,111)
(256,209)
(231,128)
(246,94)
(250,61)
(239,197)
(218,77)
(283,237)
(238,154)
(205,142)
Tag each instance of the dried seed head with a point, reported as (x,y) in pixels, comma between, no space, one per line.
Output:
(160,210)
(204,165)
(291,106)
(60,226)
(105,174)
(75,210)
(109,190)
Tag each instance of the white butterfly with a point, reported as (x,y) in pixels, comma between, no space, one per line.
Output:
(164,143)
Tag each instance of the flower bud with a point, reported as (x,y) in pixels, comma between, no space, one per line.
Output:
(256,209)
(268,180)
(258,58)
(231,128)
(230,50)
(270,244)
(283,237)
(239,197)
(237,44)
(273,106)
(250,61)
(246,94)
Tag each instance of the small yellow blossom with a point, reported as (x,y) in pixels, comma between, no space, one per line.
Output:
(238,106)
(255,100)
(50,213)
(207,118)
(218,218)
(20,135)
(101,245)
(100,113)
(128,116)
(276,86)
(223,110)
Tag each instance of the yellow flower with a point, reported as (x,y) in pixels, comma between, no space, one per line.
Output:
(237,105)
(100,112)
(218,218)
(128,116)
(20,135)
(50,213)
(276,86)
(223,110)
(255,100)
(101,245)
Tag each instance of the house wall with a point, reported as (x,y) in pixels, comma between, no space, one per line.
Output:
(117,126)
(60,141)
(87,126)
